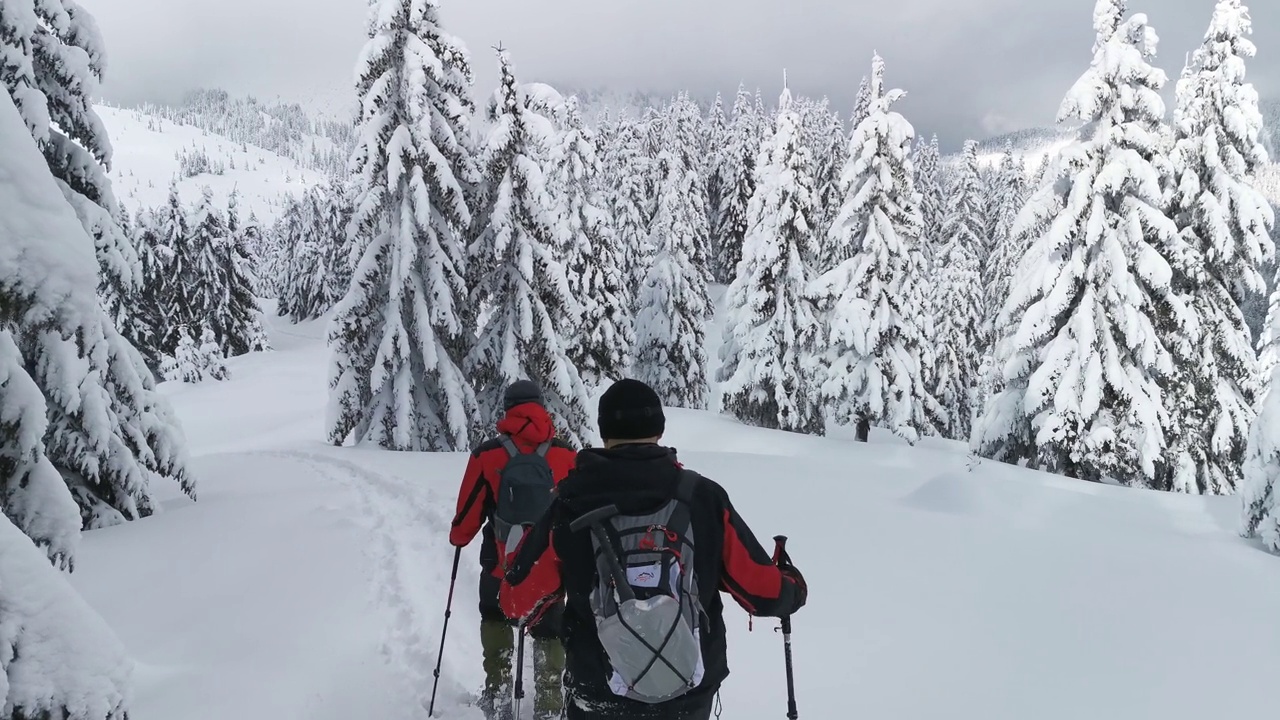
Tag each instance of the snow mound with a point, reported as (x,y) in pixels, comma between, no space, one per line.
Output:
(54,650)
(950,493)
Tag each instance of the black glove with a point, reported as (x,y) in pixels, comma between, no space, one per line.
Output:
(790,572)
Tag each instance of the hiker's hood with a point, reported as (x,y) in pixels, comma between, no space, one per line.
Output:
(529,423)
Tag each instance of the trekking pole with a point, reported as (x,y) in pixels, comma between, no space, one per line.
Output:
(519,669)
(779,557)
(448,610)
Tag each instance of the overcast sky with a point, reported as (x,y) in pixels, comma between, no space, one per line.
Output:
(971,67)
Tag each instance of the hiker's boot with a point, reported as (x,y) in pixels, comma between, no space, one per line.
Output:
(548,671)
(497,640)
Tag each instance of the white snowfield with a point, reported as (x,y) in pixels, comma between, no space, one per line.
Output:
(310,581)
(146,162)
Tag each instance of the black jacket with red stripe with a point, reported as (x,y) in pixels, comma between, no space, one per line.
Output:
(554,561)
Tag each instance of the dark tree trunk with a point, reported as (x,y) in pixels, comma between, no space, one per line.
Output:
(864,428)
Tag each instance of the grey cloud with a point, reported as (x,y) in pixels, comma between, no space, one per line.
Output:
(971,67)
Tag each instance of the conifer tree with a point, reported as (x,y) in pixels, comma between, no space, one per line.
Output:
(862,103)
(399,333)
(242,317)
(1008,198)
(672,310)
(958,304)
(829,147)
(738,173)
(1225,222)
(933,203)
(684,136)
(600,346)
(1092,302)
(716,130)
(109,432)
(524,286)
(870,354)
(627,196)
(772,326)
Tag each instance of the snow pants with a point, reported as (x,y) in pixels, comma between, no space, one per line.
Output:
(498,642)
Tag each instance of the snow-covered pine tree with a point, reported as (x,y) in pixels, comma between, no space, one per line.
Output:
(933,203)
(869,357)
(238,325)
(336,214)
(716,132)
(1260,491)
(146,322)
(600,346)
(524,287)
(862,103)
(32,494)
(55,60)
(958,303)
(828,146)
(672,310)
(684,137)
(99,434)
(738,185)
(399,334)
(303,294)
(772,325)
(109,433)
(1009,197)
(1092,301)
(203,283)
(627,196)
(1226,222)
(185,363)
(211,357)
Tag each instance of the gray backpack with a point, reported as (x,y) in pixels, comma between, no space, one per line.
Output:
(645,601)
(525,488)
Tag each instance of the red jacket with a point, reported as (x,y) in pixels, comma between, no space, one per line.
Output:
(529,425)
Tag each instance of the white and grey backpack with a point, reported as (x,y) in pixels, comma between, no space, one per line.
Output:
(645,600)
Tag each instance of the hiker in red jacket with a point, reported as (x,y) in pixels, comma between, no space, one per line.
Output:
(642,626)
(526,428)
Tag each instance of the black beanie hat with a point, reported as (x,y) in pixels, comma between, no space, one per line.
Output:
(631,410)
(521,392)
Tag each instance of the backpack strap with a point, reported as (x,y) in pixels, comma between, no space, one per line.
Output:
(688,483)
(510,446)
(514,450)
(682,513)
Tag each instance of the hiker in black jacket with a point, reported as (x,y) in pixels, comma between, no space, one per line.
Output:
(640,477)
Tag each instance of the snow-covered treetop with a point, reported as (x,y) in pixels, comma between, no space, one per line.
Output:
(1120,65)
(425,113)
(1216,76)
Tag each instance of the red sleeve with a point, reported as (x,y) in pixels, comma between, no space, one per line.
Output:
(750,575)
(474,499)
(531,584)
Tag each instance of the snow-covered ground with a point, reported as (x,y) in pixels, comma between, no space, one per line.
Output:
(146,162)
(309,581)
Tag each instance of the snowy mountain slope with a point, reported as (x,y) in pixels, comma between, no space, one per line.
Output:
(309,581)
(146,160)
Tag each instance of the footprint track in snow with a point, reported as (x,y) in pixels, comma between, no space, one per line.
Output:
(410,558)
